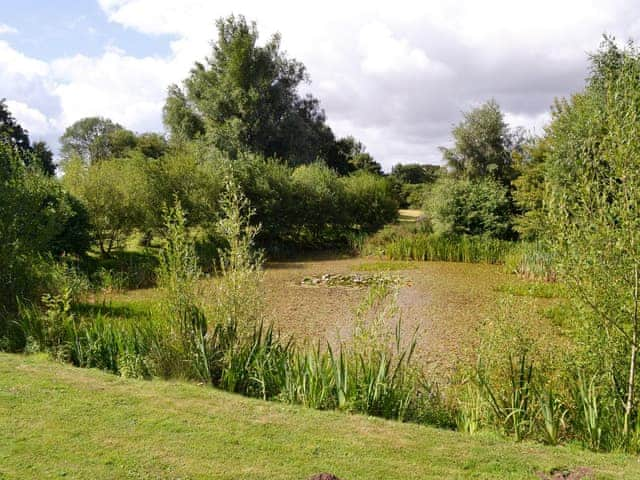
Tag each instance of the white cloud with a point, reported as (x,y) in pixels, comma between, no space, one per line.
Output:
(6,29)
(15,63)
(127,89)
(33,119)
(394,74)
(533,122)
(384,53)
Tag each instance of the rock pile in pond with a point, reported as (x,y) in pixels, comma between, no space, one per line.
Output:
(351,280)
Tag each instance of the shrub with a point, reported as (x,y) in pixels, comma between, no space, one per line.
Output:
(369,201)
(471,207)
(34,215)
(115,193)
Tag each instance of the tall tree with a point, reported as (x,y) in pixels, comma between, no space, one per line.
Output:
(593,202)
(482,145)
(354,154)
(12,133)
(96,138)
(244,97)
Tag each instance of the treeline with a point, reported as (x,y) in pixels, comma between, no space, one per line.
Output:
(309,206)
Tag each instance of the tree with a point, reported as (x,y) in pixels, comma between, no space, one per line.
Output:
(245,98)
(415,173)
(96,138)
(593,203)
(354,153)
(370,201)
(482,145)
(116,195)
(181,117)
(12,133)
(151,145)
(529,189)
(471,207)
(35,216)
(43,157)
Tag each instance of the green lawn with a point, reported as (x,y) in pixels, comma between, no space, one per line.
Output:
(58,421)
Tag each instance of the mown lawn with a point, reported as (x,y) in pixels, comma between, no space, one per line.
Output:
(57,421)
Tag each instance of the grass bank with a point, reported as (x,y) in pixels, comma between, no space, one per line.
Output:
(59,421)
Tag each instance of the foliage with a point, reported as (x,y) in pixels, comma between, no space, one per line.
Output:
(370,202)
(482,145)
(115,194)
(471,207)
(529,190)
(93,139)
(35,217)
(191,176)
(415,173)
(245,97)
(593,204)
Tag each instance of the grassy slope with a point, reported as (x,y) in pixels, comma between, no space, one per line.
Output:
(58,421)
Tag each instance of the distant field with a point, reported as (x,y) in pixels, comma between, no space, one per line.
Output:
(63,422)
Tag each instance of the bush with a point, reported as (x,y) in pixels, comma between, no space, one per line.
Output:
(116,195)
(35,215)
(370,201)
(471,207)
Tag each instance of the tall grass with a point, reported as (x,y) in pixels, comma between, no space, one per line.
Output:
(447,248)
(531,260)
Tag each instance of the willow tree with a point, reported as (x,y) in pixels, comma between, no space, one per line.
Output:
(593,202)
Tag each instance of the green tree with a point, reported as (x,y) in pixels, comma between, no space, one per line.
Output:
(43,158)
(12,133)
(95,138)
(471,207)
(180,116)
(482,145)
(370,201)
(35,217)
(593,203)
(245,98)
(355,155)
(529,190)
(414,173)
(116,195)
(151,145)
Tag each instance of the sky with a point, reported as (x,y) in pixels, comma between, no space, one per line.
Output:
(396,75)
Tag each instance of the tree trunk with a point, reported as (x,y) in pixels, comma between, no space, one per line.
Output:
(632,361)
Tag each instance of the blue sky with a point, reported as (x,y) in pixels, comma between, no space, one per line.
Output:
(396,75)
(59,28)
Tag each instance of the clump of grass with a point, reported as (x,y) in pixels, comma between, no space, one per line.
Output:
(533,289)
(531,260)
(429,247)
(386,266)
